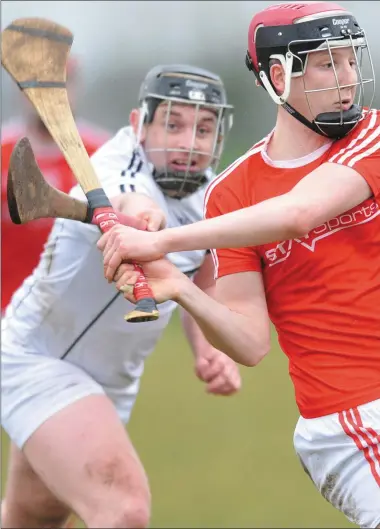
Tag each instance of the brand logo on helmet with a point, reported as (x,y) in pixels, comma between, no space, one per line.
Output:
(197,94)
(196,84)
(340,21)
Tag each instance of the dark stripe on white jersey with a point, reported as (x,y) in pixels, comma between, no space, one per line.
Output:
(88,327)
(131,187)
(137,170)
(133,169)
(131,162)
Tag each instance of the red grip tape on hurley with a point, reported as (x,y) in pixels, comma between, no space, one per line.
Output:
(106,218)
(141,288)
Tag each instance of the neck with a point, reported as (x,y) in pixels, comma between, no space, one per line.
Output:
(291,139)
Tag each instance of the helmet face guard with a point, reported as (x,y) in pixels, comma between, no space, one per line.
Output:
(292,44)
(201,90)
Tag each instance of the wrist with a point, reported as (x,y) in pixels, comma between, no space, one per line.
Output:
(164,241)
(184,291)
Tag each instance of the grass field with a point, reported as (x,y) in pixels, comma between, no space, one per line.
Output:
(221,462)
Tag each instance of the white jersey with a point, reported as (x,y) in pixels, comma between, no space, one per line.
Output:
(66,308)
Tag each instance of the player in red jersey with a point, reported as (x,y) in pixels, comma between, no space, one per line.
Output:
(22,245)
(295,223)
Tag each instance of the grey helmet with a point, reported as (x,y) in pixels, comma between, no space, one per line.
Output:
(183,84)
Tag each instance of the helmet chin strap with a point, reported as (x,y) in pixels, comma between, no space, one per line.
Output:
(328,124)
(168,182)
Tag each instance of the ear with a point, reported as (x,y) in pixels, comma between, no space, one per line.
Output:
(277,75)
(134,119)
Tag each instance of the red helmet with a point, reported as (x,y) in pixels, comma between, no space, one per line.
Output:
(288,32)
(286,15)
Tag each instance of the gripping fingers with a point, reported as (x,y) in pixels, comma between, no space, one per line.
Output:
(212,370)
(128,279)
(108,242)
(113,264)
(125,279)
(128,294)
(226,383)
(103,242)
(219,386)
(122,272)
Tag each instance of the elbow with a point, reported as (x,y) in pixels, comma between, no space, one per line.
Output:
(300,222)
(255,356)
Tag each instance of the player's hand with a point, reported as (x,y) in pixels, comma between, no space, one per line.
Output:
(219,371)
(141,207)
(154,217)
(165,280)
(122,243)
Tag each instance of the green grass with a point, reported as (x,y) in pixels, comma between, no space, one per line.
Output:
(221,462)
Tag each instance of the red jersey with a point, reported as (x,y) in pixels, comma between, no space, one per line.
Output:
(21,245)
(322,290)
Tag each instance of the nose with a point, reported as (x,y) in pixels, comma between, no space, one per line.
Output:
(348,74)
(188,139)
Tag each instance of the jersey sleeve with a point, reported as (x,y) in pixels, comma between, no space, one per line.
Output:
(361,151)
(219,200)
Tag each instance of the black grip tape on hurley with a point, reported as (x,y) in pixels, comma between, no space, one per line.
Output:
(96,199)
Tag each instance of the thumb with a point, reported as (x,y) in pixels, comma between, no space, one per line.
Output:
(156,221)
(200,364)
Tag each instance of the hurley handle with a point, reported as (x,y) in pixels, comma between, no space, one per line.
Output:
(105,217)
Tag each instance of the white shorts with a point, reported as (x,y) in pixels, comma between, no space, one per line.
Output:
(35,387)
(341,454)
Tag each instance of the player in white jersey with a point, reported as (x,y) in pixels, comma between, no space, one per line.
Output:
(71,365)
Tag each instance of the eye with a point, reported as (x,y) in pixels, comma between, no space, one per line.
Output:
(206,130)
(172,126)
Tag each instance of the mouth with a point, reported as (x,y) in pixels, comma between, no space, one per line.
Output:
(345,105)
(183,165)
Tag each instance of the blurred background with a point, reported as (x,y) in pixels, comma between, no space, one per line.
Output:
(212,462)
(117,42)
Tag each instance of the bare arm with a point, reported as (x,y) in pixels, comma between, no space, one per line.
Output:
(326,192)
(219,371)
(237,321)
(204,279)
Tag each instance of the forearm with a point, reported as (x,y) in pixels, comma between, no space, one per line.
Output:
(203,279)
(230,332)
(269,221)
(193,333)
(329,190)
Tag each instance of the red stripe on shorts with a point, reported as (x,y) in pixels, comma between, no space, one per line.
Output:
(370,436)
(362,439)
